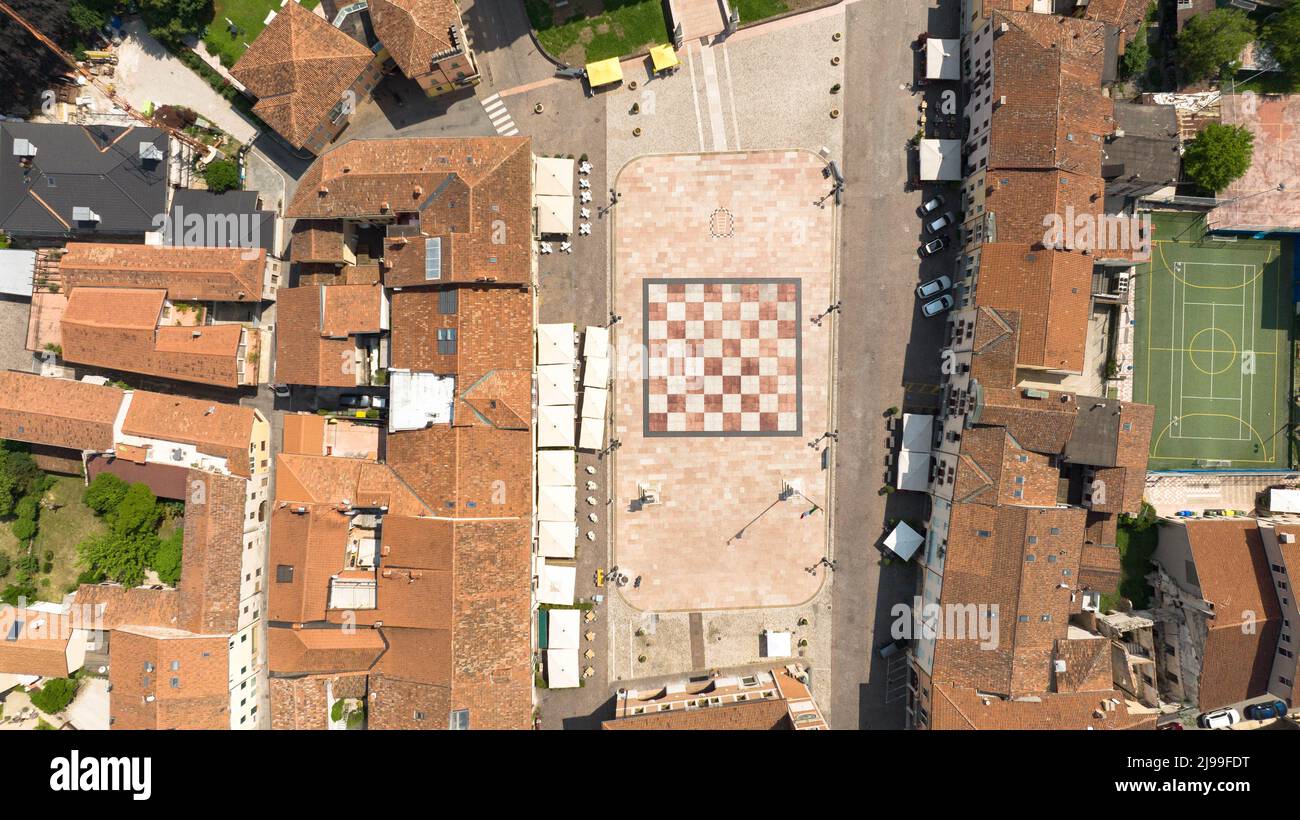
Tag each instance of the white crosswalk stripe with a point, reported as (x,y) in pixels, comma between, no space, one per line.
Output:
(499,115)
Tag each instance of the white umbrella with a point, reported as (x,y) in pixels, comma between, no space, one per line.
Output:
(555,344)
(555,426)
(555,384)
(904,541)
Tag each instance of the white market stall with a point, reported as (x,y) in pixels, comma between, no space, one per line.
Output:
(554,215)
(594,403)
(918,432)
(564,626)
(555,584)
(596,372)
(555,426)
(913,471)
(595,343)
(556,468)
(555,385)
(557,504)
(556,539)
(553,176)
(555,344)
(592,435)
(562,668)
(942,59)
(904,541)
(940,160)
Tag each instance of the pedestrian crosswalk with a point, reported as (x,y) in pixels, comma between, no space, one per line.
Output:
(500,116)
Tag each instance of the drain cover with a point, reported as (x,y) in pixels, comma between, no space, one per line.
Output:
(721,223)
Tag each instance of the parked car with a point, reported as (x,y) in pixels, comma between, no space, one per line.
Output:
(930,206)
(1264,711)
(1170,726)
(892,648)
(355,400)
(933,246)
(935,225)
(934,287)
(936,306)
(281,390)
(1219,719)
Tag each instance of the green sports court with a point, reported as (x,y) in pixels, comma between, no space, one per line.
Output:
(1212,347)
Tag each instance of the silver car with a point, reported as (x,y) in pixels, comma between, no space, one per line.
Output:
(936,306)
(934,287)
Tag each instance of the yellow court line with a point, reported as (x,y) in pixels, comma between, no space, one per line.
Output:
(1203,350)
(1268,258)
(1262,444)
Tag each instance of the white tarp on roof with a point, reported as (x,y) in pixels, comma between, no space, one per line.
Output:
(556,539)
(940,159)
(904,541)
(554,214)
(594,402)
(942,59)
(563,631)
(557,504)
(419,399)
(562,668)
(17,270)
(913,470)
(555,584)
(596,342)
(1287,501)
(555,384)
(555,344)
(776,645)
(556,468)
(555,426)
(595,373)
(592,436)
(918,432)
(553,176)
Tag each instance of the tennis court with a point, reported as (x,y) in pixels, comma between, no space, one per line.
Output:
(1214,356)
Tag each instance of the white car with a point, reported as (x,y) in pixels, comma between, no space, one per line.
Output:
(936,306)
(934,287)
(935,225)
(1219,719)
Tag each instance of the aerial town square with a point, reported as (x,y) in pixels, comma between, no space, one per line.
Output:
(589,365)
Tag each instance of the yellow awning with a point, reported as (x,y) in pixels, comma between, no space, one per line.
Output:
(663,57)
(604,72)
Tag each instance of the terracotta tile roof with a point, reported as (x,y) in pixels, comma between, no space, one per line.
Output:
(57,412)
(758,715)
(215,429)
(116,328)
(992,468)
(466,472)
(474,194)
(406,541)
(311,547)
(1123,14)
(1233,571)
(299,68)
(317,240)
(305,703)
(411,597)
(1087,665)
(194,694)
(400,704)
(1101,528)
(1052,291)
(415,31)
(996,347)
(1042,425)
(1020,200)
(417,655)
(212,558)
(313,328)
(304,434)
(317,651)
(329,481)
(185,273)
(131,606)
(38,645)
(1049,69)
(961,708)
(1099,566)
(988,562)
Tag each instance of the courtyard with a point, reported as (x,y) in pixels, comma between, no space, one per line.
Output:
(722,262)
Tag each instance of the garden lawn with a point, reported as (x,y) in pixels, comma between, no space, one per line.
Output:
(62,530)
(248,16)
(621,30)
(752,11)
(1135,550)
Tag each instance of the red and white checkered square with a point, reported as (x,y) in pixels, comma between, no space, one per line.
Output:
(723,357)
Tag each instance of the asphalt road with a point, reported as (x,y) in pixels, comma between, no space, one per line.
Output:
(883,343)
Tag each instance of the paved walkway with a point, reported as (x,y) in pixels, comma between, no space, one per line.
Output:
(148,73)
(700,18)
(1171,492)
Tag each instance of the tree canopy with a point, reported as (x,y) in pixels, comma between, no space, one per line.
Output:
(1219,154)
(1282,36)
(1213,41)
(221,175)
(131,545)
(54,695)
(104,493)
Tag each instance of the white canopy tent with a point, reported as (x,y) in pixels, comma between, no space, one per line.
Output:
(592,435)
(555,584)
(594,403)
(913,470)
(776,645)
(904,541)
(918,432)
(557,504)
(554,214)
(1287,501)
(555,344)
(596,372)
(556,539)
(555,426)
(942,59)
(596,342)
(555,385)
(556,468)
(564,628)
(562,668)
(940,160)
(553,176)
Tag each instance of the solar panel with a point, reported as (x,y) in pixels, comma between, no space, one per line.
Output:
(433,258)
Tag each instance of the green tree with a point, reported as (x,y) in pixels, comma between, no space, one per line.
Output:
(167,560)
(221,175)
(122,558)
(24,589)
(171,20)
(1213,41)
(137,514)
(4,565)
(105,493)
(1282,36)
(1219,154)
(28,507)
(19,476)
(54,695)
(1137,55)
(23,529)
